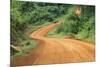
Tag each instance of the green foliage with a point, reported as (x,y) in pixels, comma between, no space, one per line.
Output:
(88,30)
(82,27)
(27,17)
(26,46)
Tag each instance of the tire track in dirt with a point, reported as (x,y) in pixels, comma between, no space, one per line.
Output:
(55,50)
(79,48)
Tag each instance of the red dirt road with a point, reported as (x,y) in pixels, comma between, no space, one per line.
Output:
(55,50)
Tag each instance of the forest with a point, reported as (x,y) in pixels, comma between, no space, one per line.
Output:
(26,17)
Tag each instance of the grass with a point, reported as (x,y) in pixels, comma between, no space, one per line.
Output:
(83,35)
(27,44)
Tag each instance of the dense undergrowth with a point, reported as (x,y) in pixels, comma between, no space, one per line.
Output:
(27,17)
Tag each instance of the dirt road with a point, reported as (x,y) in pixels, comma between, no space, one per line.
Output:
(55,50)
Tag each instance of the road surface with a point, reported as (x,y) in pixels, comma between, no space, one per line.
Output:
(55,50)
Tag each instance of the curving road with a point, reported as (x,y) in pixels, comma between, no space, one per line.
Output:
(55,50)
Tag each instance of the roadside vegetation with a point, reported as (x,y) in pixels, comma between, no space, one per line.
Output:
(26,17)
